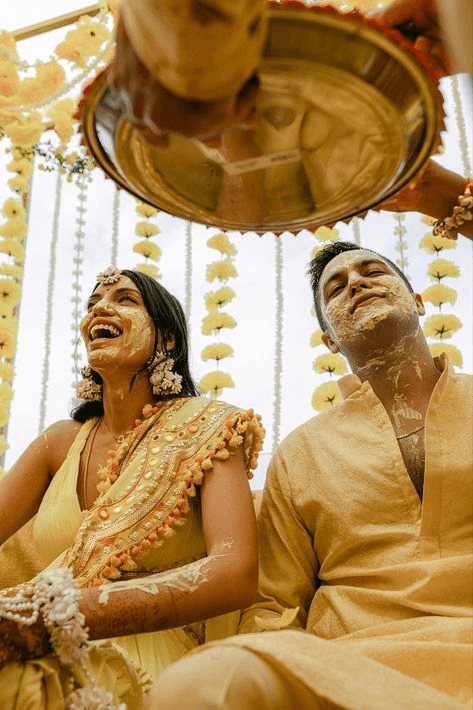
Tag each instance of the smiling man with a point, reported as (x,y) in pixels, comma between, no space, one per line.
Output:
(365,591)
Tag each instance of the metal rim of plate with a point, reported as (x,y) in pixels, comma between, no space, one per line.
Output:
(367,66)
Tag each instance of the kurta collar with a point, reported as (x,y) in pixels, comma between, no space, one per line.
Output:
(351,383)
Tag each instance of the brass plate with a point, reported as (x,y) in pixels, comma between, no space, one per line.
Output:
(345,119)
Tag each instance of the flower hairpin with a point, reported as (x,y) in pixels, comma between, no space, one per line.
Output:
(110,276)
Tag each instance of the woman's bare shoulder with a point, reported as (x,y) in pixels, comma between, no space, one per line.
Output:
(58,439)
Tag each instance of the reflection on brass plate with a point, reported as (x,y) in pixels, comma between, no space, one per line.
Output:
(345,119)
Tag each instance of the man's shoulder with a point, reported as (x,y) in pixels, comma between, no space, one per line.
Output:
(314,426)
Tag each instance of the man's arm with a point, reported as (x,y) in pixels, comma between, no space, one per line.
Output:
(435,194)
(288,565)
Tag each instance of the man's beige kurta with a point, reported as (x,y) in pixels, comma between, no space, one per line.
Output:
(346,540)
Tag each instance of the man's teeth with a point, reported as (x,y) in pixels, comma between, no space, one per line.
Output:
(97,331)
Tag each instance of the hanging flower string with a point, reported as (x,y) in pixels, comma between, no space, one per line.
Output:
(215,381)
(12,254)
(145,229)
(441,325)
(326,394)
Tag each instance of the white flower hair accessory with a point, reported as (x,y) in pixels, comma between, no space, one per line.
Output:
(163,380)
(110,276)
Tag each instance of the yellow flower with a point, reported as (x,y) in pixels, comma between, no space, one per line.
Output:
(217,299)
(26,130)
(325,233)
(10,292)
(12,248)
(13,208)
(61,115)
(7,340)
(222,244)
(22,166)
(3,444)
(20,183)
(6,309)
(453,353)
(6,392)
(4,414)
(7,42)
(83,41)
(326,396)
(438,294)
(71,158)
(7,371)
(441,326)
(316,338)
(148,249)
(440,268)
(434,244)
(221,270)
(9,79)
(216,321)
(15,228)
(146,229)
(217,351)
(330,363)
(214,382)
(12,270)
(145,210)
(149,270)
(49,80)
(6,117)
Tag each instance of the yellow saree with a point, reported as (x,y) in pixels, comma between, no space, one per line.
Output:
(147,521)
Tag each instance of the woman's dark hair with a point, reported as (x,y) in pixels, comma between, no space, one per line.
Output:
(169,321)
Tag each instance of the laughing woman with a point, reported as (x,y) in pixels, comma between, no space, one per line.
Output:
(146,491)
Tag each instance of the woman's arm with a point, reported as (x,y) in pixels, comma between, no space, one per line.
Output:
(23,488)
(223,581)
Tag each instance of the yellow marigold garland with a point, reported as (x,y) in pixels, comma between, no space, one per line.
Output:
(441,326)
(216,319)
(145,229)
(327,394)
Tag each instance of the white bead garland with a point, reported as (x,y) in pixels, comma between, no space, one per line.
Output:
(54,595)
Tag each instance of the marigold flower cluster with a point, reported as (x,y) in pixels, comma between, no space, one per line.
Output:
(441,326)
(326,394)
(216,319)
(145,247)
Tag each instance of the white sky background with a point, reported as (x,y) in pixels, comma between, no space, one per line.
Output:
(252,366)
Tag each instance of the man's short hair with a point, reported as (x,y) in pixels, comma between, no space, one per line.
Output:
(325,255)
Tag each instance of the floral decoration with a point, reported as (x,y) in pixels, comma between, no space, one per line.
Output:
(145,247)
(216,319)
(329,364)
(441,325)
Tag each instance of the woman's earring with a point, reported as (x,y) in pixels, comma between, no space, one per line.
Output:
(163,380)
(87,388)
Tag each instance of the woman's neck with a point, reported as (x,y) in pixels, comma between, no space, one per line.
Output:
(123,404)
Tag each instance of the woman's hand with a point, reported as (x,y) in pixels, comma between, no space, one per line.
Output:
(20,643)
(418,21)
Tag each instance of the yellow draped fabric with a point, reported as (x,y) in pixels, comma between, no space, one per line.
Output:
(382,581)
(189,434)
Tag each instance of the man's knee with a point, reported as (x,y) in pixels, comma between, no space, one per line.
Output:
(215,678)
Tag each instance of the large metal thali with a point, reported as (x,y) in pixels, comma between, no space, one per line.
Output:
(346,118)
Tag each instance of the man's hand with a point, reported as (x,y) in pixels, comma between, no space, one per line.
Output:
(418,21)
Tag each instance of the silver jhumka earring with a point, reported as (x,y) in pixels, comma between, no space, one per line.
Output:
(87,388)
